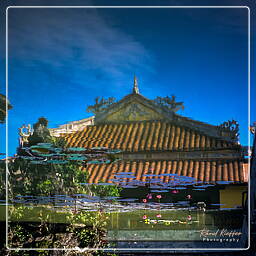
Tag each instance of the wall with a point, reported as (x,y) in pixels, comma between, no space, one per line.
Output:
(231,196)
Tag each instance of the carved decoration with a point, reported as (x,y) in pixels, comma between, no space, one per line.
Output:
(253,128)
(25,132)
(231,127)
(169,103)
(100,105)
(134,110)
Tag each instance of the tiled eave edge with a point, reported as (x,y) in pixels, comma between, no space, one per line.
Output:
(196,155)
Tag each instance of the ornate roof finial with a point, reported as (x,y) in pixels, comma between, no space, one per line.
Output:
(135,86)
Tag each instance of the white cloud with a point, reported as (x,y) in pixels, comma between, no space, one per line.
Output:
(77,39)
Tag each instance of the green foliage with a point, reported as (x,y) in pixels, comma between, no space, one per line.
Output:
(106,190)
(20,212)
(93,229)
(45,179)
(41,132)
(19,235)
(87,237)
(45,186)
(41,121)
(25,236)
(84,229)
(94,219)
(2,179)
(3,107)
(58,142)
(32,235)
(28,178)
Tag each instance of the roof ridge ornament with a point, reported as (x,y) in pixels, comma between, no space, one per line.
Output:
(135,86)
(229,128)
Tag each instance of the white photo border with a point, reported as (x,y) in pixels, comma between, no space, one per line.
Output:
(131,249)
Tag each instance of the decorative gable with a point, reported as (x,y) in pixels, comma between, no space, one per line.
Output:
(134,111)
(135,107)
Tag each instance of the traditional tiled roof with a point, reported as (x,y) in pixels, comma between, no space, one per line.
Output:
(206,171)
(145,136)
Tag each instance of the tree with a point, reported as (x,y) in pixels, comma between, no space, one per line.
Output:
(50,168)
(41,133)
(3,107)
(3,113)
(45,179)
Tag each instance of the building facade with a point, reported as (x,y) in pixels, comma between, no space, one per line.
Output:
(71,127)
(154,139)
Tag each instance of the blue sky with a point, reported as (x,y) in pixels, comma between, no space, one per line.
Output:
(61,59)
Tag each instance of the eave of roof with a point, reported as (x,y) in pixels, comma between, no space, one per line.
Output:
(232,171)
(146,136)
